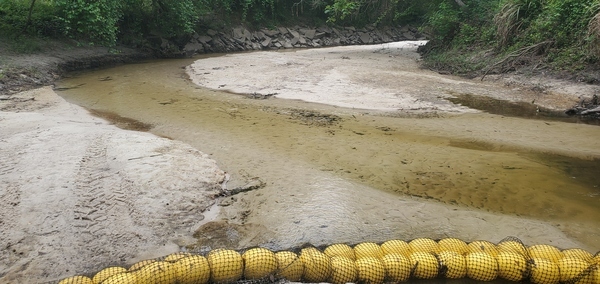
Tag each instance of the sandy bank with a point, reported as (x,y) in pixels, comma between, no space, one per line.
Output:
(79,194)
(374,77)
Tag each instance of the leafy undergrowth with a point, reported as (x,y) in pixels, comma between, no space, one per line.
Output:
(558,37)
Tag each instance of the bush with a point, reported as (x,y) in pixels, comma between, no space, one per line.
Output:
(563,34)
(15,20)
(95,21)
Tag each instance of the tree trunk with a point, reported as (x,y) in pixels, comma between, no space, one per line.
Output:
(460,3)
(29,16)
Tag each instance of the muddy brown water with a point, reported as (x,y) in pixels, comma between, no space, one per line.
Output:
(351,162)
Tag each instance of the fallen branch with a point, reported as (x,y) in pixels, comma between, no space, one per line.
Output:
(255,183)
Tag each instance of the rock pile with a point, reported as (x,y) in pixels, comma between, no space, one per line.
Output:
(240,38)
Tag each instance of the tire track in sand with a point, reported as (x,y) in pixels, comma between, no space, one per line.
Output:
(100,201)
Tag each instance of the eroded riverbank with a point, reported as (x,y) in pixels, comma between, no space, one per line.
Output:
(471,162)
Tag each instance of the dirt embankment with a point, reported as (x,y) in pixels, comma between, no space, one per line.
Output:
(21,72)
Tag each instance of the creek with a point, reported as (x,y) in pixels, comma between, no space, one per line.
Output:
(333,174)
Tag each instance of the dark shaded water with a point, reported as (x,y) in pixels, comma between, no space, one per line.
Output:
(518,109)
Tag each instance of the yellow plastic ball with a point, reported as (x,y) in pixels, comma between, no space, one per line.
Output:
(140,264)
(396,246)
(370,270)
(289,266)
(455,263)
(425,265)
(512,246)
(596,274)
(340,250)
(107,272)
(123,278)
(368,250)
(192,269)
(481,266)
(424,245)
(343,270)
(176,256)
(77,280)
(225,265)
(158,272)
(452,244)
(483,246)
(397,267)
(511,265)
(317,265)
(578,253)
(545,251)
(544,271)
(259,263)
(571,267)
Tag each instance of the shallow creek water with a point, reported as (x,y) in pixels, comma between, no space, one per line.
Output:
(344,175)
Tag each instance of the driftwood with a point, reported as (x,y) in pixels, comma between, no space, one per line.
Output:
(252,184)
(595,110)
(585,108)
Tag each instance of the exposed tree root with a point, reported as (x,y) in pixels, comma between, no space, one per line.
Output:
(509,62)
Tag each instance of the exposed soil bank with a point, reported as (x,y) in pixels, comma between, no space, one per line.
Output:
(20,72)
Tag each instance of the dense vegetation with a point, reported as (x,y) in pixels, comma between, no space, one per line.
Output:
(466,35)
(503,35)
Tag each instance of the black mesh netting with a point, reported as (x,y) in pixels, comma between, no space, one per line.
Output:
(392,261)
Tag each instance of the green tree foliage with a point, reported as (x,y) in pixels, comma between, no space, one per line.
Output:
(95,20)
(565,32)
(560,32)
(363,12)
(16,18)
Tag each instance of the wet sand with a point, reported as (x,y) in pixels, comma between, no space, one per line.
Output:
(331,174)
(473,163)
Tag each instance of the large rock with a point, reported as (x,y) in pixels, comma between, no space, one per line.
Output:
(193,48)
(409,35)
(270,33)
(266,43)
(294,33)
(283,30)
(247,34)
(310,34)
(259,35)
(365,37)
(204,39)
(237,33)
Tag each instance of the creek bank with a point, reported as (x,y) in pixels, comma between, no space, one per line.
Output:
(21,72)
(242,39)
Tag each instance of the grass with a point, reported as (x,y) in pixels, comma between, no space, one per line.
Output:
(460,62)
